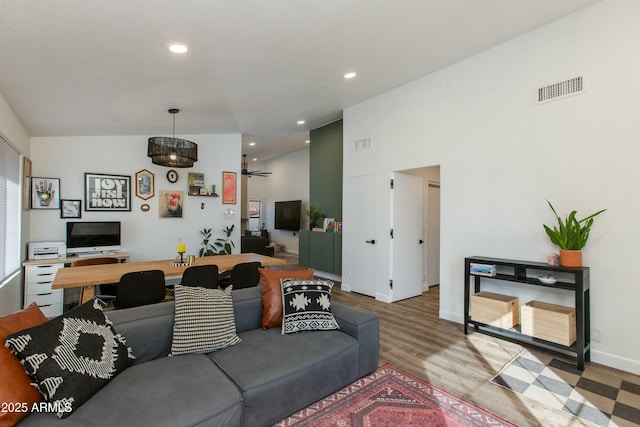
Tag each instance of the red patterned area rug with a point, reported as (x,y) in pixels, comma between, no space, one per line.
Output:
(391,397)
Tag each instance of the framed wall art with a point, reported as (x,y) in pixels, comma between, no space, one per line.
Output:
(145,184)
(229,188)
(45,193)
(107,192)
(70,208)
(26,184)
(170,203)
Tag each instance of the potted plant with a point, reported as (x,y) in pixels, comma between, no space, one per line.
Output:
(314,216)
(221,246)
(570,235)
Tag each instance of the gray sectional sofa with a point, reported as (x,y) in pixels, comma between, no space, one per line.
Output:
(257,382)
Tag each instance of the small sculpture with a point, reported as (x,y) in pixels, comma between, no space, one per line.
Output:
(553,259)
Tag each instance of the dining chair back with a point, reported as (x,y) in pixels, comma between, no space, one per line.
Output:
(245,275)
(140,288)
(205,276)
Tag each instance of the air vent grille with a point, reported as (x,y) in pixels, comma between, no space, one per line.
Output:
(363,144)
(559,90)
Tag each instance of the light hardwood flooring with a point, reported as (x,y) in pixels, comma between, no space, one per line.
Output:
(414,339)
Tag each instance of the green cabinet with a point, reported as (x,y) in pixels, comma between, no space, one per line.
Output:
(322,251)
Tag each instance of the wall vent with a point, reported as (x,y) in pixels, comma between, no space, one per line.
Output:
(560,90)
(363,144)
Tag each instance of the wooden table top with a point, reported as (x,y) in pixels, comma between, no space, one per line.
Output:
(110,273)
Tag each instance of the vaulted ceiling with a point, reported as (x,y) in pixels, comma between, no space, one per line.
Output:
(256,67)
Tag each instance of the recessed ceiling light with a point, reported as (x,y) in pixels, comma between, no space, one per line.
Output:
(254,159)
(252,144)
(307,142)
(350,75)
(301,122)
(178,48)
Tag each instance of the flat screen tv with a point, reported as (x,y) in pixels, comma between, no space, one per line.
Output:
(287,215)
(89,237)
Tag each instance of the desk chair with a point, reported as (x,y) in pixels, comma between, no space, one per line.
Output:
(140,288)
(205,276)
(244,275)
(103,292)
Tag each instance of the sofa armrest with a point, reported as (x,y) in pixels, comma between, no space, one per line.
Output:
(363,326)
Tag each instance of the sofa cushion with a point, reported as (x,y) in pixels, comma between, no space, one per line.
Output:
(72,356)
(16,390)
(272,293)
(307,306)
(204,320)
(188,390)
(281,374)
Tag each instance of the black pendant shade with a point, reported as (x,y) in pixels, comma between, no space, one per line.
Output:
(172,151)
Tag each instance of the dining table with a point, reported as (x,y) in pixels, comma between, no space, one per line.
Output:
(89,276)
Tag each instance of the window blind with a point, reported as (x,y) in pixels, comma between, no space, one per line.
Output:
(9,210)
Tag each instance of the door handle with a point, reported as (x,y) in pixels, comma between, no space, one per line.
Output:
(421,241)
(373,242)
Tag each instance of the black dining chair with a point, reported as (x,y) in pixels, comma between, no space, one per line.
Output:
(244,275)
(205,276)
(140,288)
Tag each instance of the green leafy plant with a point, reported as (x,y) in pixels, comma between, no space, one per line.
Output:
(221,246)
(570,233)
(314,216)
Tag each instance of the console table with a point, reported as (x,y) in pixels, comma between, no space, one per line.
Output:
(525,272)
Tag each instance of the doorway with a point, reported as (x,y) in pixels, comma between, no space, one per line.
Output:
(431,224)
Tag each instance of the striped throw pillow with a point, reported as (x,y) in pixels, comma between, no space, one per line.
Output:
(203,320)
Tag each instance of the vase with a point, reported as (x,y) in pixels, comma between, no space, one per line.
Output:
(570,258)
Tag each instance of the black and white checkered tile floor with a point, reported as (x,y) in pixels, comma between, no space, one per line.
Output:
(602,400)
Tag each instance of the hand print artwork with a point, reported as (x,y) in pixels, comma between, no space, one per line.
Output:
(171,203)
(45,193)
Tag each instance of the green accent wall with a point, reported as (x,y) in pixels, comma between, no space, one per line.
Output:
(325,170)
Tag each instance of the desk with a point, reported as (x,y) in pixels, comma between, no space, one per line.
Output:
(86,277)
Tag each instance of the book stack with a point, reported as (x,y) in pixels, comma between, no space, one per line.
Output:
(483,269)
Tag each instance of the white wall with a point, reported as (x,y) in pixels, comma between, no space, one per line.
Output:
(13,131)
(289,180)
(145,236)
(501,156)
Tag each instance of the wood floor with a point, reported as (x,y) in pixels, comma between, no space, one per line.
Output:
(414,339)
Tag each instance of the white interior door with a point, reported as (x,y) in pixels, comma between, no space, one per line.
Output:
(362,274)
(406,243)
(433,233)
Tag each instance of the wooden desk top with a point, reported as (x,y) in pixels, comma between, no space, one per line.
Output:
(110,273)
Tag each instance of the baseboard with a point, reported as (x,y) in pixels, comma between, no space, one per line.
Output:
(452,316)
(345,287)
(383,298)
(618,362)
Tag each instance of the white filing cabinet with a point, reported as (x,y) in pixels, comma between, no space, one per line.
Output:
(37,280)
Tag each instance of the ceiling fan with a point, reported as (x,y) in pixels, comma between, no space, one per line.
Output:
(249,173)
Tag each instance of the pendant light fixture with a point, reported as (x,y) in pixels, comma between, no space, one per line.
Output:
(171,151)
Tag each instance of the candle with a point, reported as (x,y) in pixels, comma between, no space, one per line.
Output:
(182,248)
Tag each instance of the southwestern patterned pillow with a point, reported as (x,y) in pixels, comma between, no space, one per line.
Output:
(307,306)
(203,321)
(72,356)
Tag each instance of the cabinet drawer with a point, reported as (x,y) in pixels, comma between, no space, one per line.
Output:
(43,269)
(51,310)
(39,288)
(49,298)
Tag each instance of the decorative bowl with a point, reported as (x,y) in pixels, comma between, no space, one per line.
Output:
(548,279)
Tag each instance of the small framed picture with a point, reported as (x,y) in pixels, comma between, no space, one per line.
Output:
(45,193)
(145,184)
(329,225)
(70,208)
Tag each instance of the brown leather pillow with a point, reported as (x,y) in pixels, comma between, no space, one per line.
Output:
(272,293)
(15,384)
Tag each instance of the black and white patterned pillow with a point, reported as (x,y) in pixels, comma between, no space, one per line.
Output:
(203,321)
(72,356)
(307,306)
